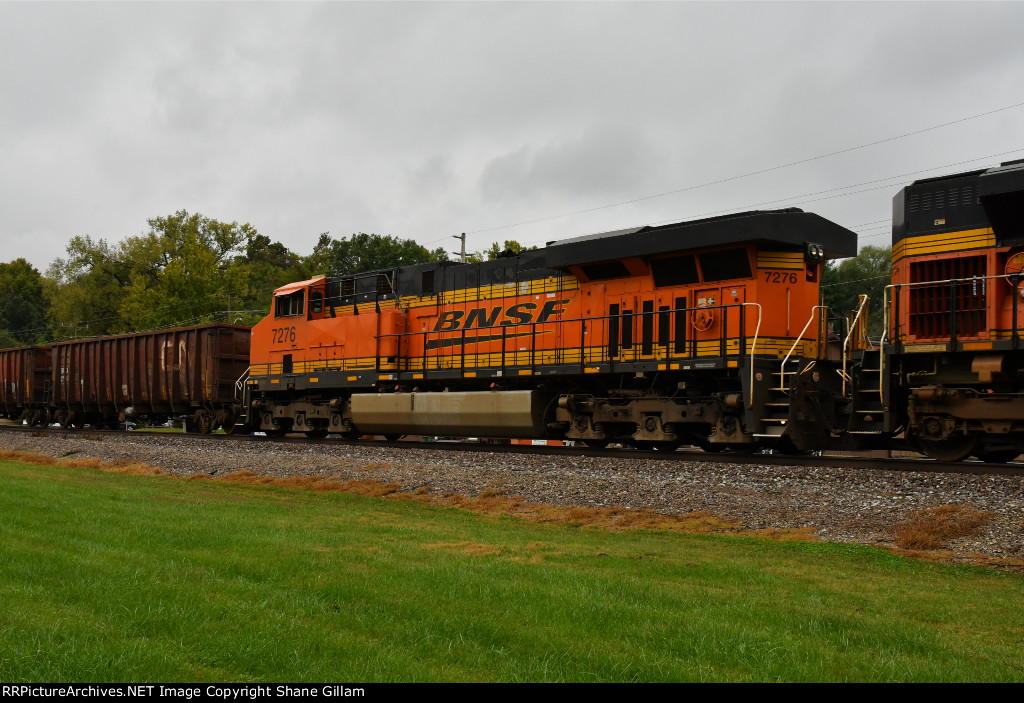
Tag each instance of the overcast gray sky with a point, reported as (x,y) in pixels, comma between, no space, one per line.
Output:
(424,120)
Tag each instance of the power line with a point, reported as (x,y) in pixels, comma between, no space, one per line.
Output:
(801,198)
(856,280)
(873,222)
(876,234)
(748,174)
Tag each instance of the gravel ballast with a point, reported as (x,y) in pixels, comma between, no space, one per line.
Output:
(861,506)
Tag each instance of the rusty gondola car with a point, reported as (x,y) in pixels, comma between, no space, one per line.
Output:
(186,371)
(25,386)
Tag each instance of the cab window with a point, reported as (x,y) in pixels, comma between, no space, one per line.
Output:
(289,305)
(724,264)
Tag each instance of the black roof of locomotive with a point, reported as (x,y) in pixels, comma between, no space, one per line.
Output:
(792,228)
(992,197)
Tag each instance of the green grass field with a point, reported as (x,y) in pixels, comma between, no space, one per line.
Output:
(113,577)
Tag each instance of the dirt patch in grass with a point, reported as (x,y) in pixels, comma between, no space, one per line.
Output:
(121,467)
(468,548)
(934,528)
(497,503)
(369,487)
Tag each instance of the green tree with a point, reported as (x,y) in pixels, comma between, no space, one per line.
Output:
(264,266)
(869,273)
(24,306)
(368,252)
(511,247)
(87,287)
(319,262)
(181,271)
(185,270)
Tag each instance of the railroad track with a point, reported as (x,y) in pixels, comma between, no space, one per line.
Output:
(833,460)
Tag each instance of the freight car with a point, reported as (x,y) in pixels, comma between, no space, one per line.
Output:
(25,384)
(695,332)
(188,371)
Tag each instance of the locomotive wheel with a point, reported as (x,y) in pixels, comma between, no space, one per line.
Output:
(318,433)
(393,437)
(596,443)
(711,447)
(950,448)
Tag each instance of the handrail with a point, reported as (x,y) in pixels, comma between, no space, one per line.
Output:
(240,383)
(953,280)
(885,336)
(887,294)
(463,360)
(753,345)
(886,302)
(800,336)
(565,320)
(846,342)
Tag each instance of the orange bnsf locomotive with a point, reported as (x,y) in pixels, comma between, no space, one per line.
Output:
(706,332)
(953,365)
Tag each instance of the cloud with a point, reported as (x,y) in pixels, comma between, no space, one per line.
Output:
(424,120)
(599,163)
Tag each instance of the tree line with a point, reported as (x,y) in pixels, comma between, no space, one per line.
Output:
(187,269)
(867,273)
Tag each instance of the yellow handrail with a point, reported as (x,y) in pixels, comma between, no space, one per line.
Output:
(846,342)
(801,335)
(753,344)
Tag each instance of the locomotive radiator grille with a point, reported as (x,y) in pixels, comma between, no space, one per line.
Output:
(955,304)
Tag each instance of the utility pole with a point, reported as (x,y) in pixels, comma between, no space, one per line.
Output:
(462,238)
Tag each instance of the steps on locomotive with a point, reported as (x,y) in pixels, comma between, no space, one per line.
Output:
(773,424)
(868,410)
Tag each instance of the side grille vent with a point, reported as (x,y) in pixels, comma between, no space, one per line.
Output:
(942,309)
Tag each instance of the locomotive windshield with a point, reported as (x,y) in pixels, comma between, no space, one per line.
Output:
(289,305)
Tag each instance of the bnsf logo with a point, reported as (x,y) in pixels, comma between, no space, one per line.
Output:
(518,314)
